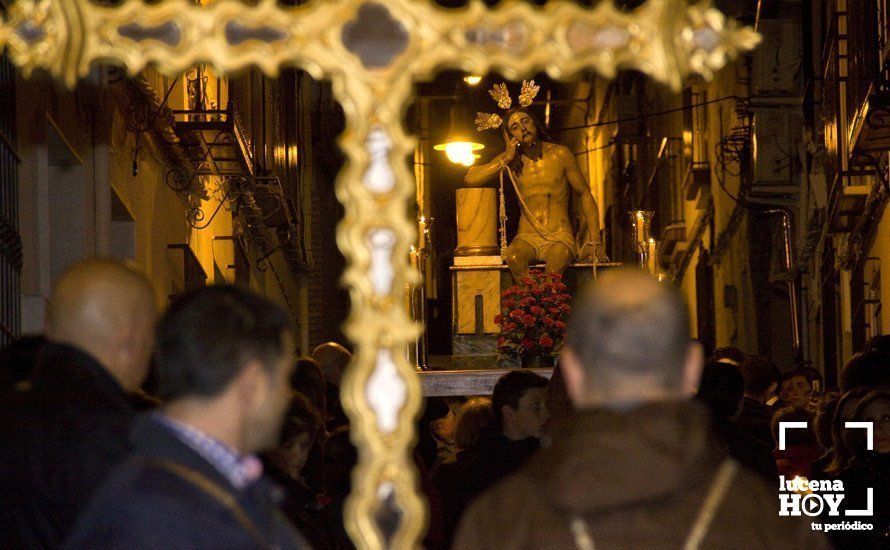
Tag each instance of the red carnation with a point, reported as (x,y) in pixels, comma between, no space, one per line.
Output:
(537,310)
(528,343)
(546,341)
(528,320)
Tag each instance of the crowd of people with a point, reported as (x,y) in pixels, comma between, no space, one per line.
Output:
(204,428)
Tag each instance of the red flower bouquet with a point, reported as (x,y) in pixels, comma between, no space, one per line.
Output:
(533,315)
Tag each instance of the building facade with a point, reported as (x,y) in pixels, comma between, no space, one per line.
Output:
(196,179)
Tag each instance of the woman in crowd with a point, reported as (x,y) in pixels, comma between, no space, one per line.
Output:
(472,421)
(867,470)
(300,433)
(840,448)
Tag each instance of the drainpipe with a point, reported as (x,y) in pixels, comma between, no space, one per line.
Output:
(792,283)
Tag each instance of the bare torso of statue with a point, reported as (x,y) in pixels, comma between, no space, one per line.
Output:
(544,172)
(546,192)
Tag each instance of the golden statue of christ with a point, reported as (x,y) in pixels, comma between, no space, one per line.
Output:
(542,172)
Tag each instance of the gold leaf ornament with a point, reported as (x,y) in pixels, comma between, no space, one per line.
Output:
(528,92)
(487,121)
(501,94)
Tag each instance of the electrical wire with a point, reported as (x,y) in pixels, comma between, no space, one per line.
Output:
(600,148)
(645,116)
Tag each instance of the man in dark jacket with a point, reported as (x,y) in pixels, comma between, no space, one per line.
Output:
(61,438)
(635,466)
(760,381)
(520,413)
(224,357)
(721,390)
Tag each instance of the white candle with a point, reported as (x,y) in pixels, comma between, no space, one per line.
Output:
(640,226)
(421,230)
(652,256)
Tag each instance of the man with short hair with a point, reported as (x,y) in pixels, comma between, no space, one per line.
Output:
(722,390)
(635,466)
(796,390)
(60,440)
(224,357)
(519,404)
(731,355)
(333,359)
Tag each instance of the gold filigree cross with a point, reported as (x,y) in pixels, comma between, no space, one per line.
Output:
(373,52)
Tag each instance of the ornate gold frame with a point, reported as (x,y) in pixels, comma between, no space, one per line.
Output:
(373,52)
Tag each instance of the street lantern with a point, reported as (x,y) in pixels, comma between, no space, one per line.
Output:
(460,145)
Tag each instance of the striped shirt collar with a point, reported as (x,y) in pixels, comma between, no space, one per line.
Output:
(240,470)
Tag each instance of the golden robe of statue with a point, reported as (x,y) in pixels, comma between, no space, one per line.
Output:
(542,172)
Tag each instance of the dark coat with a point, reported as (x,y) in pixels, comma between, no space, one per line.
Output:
(449,479)
(300,506)
(495,458)
(872,470)
(60,441)
(755,421)
(638,479)
(143,505)
(748,451)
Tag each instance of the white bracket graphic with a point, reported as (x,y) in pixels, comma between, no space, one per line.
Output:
(869,444)
(869,432)
(784,426)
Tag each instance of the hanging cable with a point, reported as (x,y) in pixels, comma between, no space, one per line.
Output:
(644,116)
(600,148)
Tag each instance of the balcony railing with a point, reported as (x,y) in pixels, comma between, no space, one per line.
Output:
(215,141)
(868,82)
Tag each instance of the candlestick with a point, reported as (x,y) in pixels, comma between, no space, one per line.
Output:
(642,220)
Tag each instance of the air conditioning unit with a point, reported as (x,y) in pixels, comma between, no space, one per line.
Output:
(777,63)
(775,136)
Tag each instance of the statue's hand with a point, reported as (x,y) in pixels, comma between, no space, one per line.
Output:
(510,151)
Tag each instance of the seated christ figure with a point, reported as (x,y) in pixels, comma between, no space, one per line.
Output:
(541,173)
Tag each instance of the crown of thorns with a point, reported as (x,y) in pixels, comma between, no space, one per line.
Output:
(499,92)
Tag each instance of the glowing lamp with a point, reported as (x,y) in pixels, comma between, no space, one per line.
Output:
(472,80)
(460,146)
(460,152)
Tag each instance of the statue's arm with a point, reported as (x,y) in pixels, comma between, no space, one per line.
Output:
(579,185)
(478,175)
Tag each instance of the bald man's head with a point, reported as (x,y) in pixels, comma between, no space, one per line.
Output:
(107,309)
(629,328)
(333,359)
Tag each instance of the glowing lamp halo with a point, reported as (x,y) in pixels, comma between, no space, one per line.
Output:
(460,152)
